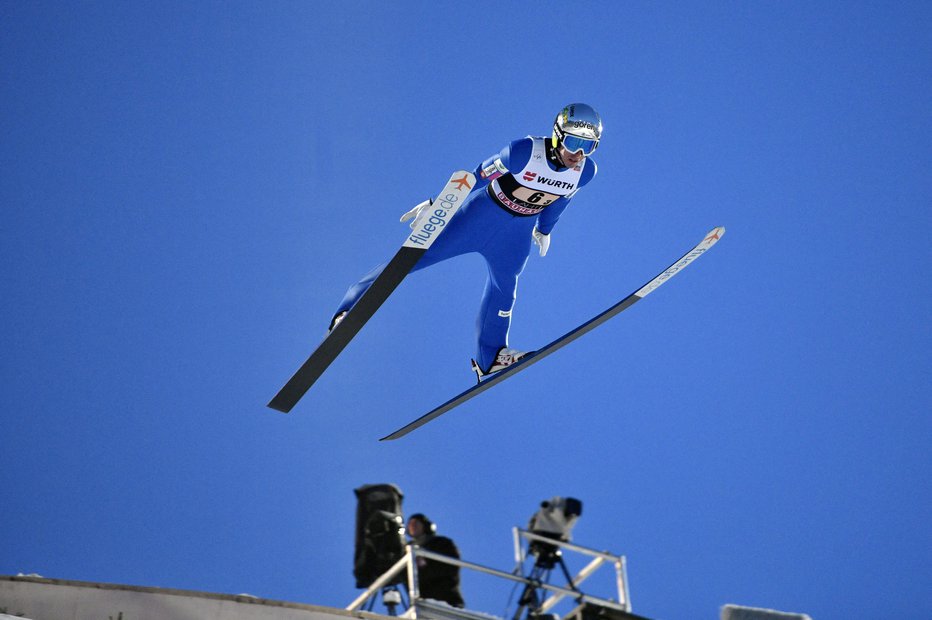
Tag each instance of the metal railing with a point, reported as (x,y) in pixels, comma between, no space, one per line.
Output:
(557,593)
(599,558)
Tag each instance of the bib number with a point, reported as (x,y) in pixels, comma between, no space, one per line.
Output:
(533,197)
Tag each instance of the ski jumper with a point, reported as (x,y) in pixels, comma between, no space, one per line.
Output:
(516,189)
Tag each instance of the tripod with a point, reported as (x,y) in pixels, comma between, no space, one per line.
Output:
(531,598)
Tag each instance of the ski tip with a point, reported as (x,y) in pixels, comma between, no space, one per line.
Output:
(463,178)
(716,232)
(279,407)
(712,236)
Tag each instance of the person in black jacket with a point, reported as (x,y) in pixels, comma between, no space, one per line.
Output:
(436,580)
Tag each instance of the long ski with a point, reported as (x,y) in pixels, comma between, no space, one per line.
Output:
(425,230)
(532,358)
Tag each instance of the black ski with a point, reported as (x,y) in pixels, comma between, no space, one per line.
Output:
(424,231)
(532,358)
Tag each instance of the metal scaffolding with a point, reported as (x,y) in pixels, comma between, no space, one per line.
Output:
(556,593)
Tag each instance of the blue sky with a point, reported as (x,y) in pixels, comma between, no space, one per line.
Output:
(189,188)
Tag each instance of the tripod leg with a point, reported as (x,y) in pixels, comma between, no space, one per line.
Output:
(566,573)
(530,599)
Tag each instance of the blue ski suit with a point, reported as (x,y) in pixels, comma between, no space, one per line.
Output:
(516,189)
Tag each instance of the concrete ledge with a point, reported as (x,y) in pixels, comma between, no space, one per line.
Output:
(56,599)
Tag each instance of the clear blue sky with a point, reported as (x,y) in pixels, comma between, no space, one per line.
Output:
(189,188)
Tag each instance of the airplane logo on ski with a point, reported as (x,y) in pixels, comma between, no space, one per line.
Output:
(464,182)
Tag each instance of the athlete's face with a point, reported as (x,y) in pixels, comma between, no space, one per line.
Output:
(570,160)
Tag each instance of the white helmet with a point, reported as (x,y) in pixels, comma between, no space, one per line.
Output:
(578,127)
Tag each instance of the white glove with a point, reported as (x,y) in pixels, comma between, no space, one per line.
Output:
(542,241)
(415,213)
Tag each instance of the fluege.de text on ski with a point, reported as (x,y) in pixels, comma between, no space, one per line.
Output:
(430,225)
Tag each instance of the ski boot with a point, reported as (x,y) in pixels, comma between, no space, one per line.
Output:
(336,320)
(503,359)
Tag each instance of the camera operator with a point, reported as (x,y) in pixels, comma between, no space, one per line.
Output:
(436,580)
